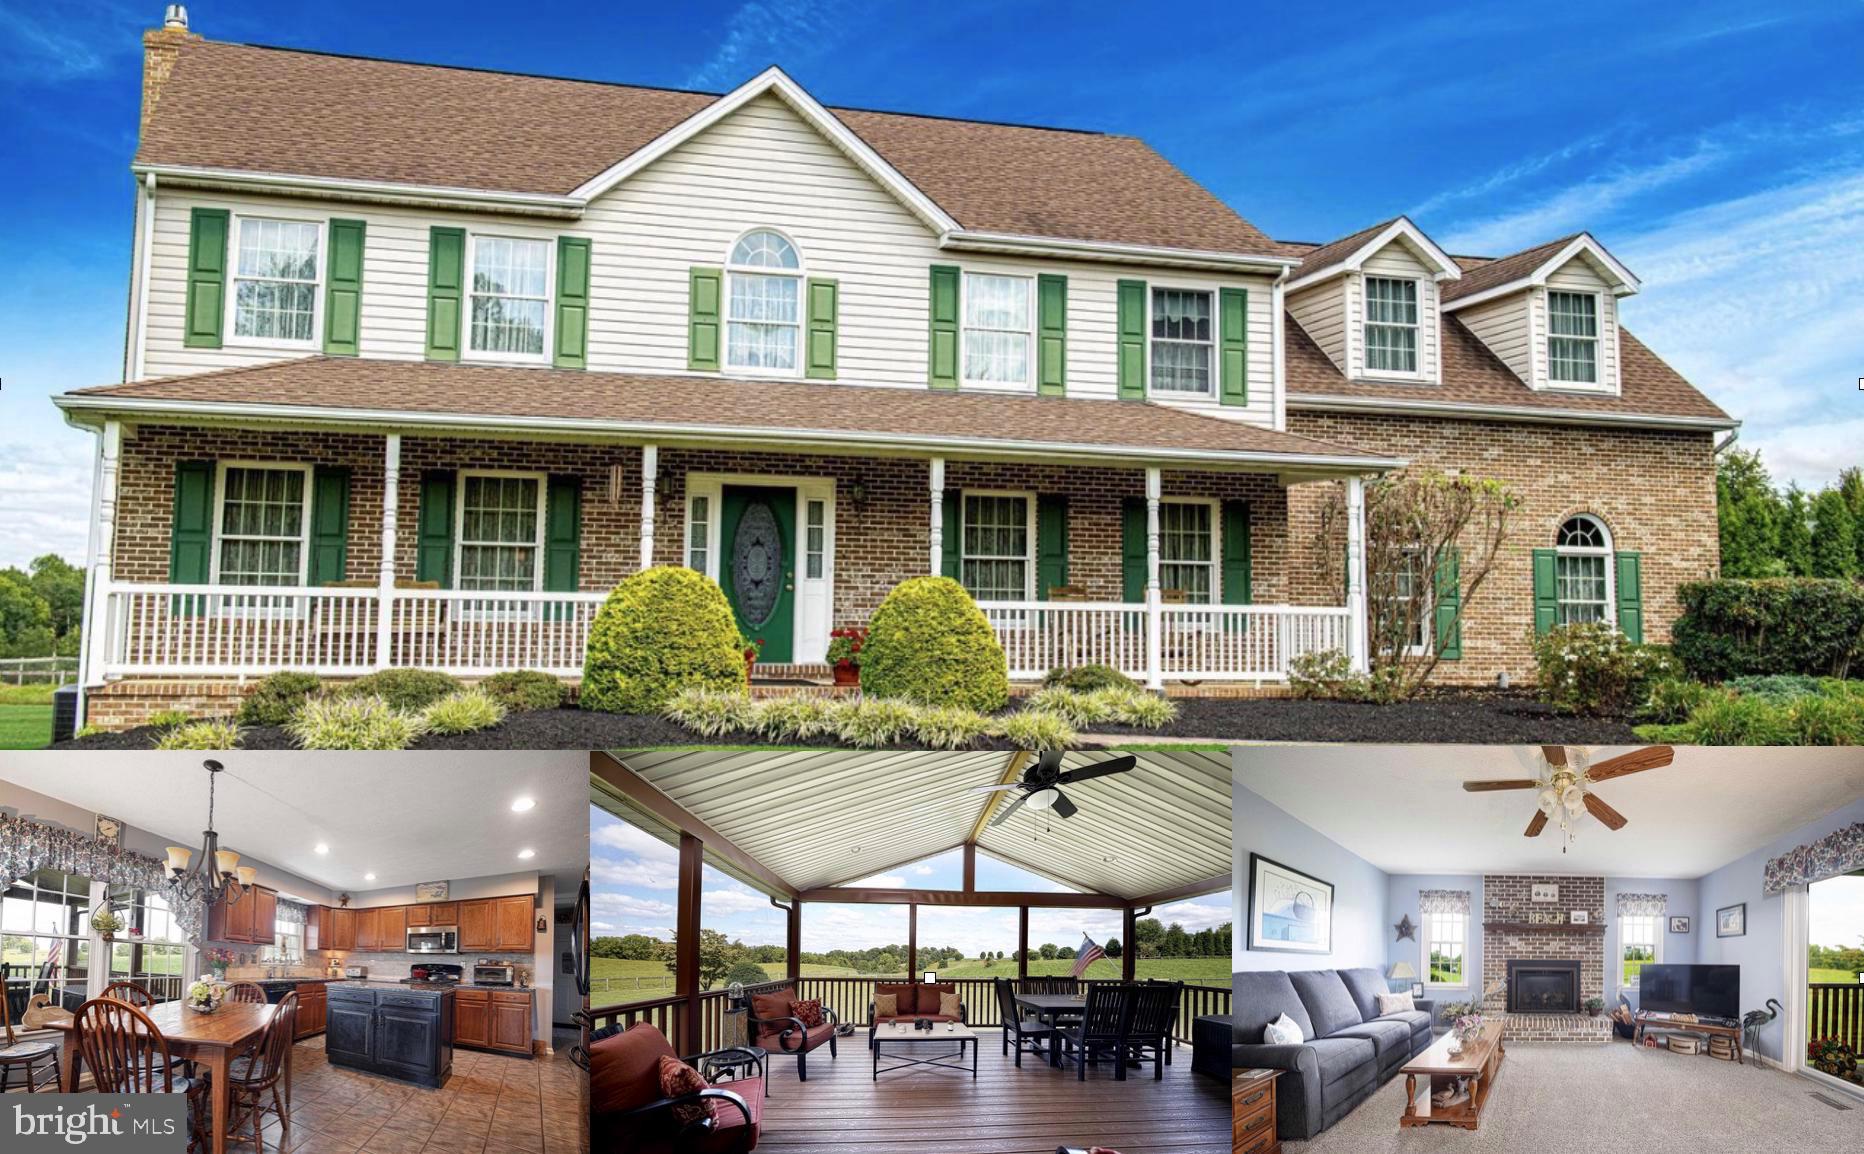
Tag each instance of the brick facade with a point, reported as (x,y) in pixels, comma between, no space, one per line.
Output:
(1509,898)
(1654,490)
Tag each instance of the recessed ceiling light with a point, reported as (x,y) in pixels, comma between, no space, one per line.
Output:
(526,854)
(321,848)
(368,877)
(523,804)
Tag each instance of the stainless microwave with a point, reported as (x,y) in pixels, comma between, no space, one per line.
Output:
(433,939)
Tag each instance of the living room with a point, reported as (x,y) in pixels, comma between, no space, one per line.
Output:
(1547,947)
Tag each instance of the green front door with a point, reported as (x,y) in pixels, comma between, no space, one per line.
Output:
(757,565)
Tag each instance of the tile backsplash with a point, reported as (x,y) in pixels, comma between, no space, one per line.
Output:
(390,967)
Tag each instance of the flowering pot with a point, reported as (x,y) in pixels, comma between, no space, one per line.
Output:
(847,673)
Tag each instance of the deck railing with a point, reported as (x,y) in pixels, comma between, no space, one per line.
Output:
(157,629)
(1836,1010)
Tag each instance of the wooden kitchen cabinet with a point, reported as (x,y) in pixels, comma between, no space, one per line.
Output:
(392,926)
(511,1022)
(250,920)
(434,914)
(313,1009)
(264,913)
(512,924)
(472,1018)
(493,1020)
(368,930)
(343,930)
(478,926)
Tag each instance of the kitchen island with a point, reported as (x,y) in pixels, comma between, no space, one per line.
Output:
(398,1029)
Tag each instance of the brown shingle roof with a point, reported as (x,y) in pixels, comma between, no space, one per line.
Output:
(281,111)
(691,403)
(1487,274)
(1320,256)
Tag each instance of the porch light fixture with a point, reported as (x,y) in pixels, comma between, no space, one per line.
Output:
(526,854)
(523,804)
(368,877)
(216,875)
(1044,798)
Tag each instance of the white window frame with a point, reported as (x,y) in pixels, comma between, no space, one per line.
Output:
(1366,322)
(1430,937)
(1028,383)
(1658,923)
(1153,392)
(1598,382)
(1029,536)
(304,523)
(1606,551)
(459,530)
(467,352)
(1216,543)
(1427,622)
(230,328)
(799,274)
(699,552)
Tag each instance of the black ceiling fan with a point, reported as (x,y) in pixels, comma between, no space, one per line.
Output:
(1041,784)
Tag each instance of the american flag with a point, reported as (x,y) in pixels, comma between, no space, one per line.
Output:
(1086,956)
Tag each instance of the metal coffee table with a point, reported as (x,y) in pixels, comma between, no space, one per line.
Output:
(908,1047)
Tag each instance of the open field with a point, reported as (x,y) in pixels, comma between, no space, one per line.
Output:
(25,716)
(1821,977)
(647,979)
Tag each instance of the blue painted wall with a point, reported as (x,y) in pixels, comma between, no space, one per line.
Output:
(1359,887)
(1401,901)
(1678,949)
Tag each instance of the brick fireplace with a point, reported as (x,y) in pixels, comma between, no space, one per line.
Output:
(1538,973)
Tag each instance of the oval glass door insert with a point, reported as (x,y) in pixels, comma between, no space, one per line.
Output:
(757,563)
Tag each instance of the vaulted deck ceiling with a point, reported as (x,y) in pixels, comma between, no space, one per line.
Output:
(820,818)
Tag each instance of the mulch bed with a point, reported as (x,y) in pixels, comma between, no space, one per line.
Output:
(1447,716)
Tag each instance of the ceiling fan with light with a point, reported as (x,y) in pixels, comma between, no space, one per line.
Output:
(1566,786)
(1041,784)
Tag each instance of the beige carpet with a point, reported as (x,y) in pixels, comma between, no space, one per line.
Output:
(1608,1099)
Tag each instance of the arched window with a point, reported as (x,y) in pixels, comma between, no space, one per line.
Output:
(1583,571)
(763,293)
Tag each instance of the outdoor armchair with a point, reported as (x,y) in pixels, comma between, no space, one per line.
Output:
(770,1023)
(628,1115)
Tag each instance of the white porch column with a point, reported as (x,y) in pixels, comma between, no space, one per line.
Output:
(1155,611)
(96,629)
(937,481)
(650,476)
(385,579)
(1356,650)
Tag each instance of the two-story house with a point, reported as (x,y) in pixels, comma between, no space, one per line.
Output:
(422,360)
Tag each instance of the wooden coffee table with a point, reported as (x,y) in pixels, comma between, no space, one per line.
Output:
(905,1047)
(1482,1055)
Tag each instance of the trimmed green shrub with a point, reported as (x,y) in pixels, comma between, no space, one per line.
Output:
(1730,719)
(275,698)
(928,642)
(1772,625)
(1114,706)
(875,721)
(351,722)
(1327,675)
(714,712)
(1086,678)
(406,689)
(1777,688)
(1670,700)
(1139,709)
(467,711)
(1036,731)
(1592,668)
(525,689)
(1681,733)
(169,718)
(219,734)
(949,727)
(796,718)
(661,631)
(1821,720)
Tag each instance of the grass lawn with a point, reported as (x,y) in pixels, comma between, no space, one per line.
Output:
(647,979)
(25,716)
(1820,977)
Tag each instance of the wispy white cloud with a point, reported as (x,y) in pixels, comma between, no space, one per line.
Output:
(760,34)
(1509,174)
(47,493)
(59,43)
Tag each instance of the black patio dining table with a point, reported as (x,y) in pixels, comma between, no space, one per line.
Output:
(1049,1008)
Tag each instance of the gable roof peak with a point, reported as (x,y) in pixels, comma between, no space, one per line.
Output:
(1532,266)
(1350,252)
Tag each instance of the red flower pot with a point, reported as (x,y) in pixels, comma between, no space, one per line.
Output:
(847,673)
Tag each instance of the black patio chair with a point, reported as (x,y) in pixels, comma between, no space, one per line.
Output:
(1027,1034)
(1101,1030)
(1148,1028)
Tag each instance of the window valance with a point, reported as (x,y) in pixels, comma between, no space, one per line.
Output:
(26,846)
(293,913)
(1443,902)
(1643,905)
(1838,852)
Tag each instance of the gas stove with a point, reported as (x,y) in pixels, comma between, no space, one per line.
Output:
(432,974)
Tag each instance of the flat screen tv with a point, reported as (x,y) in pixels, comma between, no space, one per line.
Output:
(1708,991)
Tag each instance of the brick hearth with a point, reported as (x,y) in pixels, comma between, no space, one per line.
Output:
(1557,1027)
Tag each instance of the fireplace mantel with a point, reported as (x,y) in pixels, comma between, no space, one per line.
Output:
(1551,928)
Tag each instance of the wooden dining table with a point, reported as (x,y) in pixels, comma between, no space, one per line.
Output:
(209,1040)
(1049,1008)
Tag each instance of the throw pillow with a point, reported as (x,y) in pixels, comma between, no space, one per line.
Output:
(1283,1031)
(886,1005)
(678,1079)
(948,1005)
(1395,1003)
(810,1012)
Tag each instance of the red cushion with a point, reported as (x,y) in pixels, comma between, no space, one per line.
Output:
(901,990)
(766,1007)
(772,1040)
(928,996)
(810,1011)
(624,1070)
(730,1134)
(677,1079)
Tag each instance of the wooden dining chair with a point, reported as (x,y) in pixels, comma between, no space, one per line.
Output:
(25,1057)
(1030,1035)
(135,995)
(1101,1030)
(247,992)
(1149,1026)
(127,1053)
(253,1079)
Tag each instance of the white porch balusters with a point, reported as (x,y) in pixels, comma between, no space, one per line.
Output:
(937,481)
(650,476)
(1155,615)
(97,625)
(385,574)
(1356,649)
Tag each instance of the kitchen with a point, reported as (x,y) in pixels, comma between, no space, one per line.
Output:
(418,910)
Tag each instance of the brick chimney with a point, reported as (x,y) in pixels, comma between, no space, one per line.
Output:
(160,46)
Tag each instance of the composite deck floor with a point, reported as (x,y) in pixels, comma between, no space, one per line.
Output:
(1032,1110)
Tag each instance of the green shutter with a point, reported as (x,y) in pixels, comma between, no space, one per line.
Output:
(446,281)
(1052,336)
(824,304)
(207,277)
(572,303)
(1448,604)
(1133,549)
(330,490)
(1546,600)
(433,557)
(562,539)
(191,534)
(343,289)
(1051,543)
(703,289)
(1132,337)
(951,559)
(1631,596)
(942,351)
(1237,578)
(1233,345)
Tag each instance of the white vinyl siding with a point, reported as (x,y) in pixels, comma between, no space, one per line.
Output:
(1502,325)
(1321,313)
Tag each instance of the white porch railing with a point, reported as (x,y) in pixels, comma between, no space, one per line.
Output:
(1196,642)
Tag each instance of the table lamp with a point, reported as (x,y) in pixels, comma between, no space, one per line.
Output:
(1402,972)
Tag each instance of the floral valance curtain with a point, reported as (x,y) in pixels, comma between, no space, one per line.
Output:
(1642,905)
(1443,902)
(1838,852)
(292,913)
(26,846)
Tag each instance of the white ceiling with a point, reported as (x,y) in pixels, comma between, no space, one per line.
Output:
(406,817)
(1403,808)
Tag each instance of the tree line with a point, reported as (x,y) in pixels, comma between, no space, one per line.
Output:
(1770,532)
(41,608)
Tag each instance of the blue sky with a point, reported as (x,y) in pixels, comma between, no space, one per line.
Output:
(632,878)
(1716,147)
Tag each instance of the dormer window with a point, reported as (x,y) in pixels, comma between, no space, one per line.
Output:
(763,323)
(1573,338)
(1391,325)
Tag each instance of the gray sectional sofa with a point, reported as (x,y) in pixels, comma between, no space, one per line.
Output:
(1349,1052)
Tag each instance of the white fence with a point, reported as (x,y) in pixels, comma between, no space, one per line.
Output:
(1196,642)
(36,670)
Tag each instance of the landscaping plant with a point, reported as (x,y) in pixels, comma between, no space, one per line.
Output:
(352,722)
(1036,731)
(714,712)
(1670,700)
(220,734)
(661,631)
(1085,678)
(1780,625)
(796,718)
(406,689)
(168,718)
(1327,674)
(1592,668)
(871,722)
(525,689)
(467,711)
(949,727)
(276,697)
(929,643)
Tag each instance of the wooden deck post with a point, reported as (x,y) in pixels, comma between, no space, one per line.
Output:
(686,942)
(1022,942)
(912,942)
(796,939)
(1127,947)
(970,867)
(385,580)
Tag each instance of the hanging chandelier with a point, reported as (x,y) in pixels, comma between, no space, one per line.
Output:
(216,875)
(1562,799)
